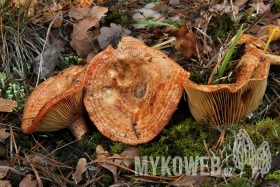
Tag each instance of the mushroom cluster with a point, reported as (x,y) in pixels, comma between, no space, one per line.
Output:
(130,94)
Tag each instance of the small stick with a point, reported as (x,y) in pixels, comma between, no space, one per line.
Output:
(36,173)
(220,140)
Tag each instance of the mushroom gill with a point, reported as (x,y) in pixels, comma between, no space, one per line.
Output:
(230,103)
(56,103)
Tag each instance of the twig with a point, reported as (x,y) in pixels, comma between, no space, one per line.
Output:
(207,149)
(62,147)
(44,47)
(36,173)
(220,140)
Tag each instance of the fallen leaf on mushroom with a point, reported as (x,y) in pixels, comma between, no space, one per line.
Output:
(57,103)
(132,92)
(7,105)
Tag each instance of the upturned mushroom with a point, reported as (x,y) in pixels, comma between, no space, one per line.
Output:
(131,92)
(230,103)
(57,103)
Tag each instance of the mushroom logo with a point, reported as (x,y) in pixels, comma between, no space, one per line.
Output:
(244,153)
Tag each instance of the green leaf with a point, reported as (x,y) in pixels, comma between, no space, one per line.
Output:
(222,67)
(158,23)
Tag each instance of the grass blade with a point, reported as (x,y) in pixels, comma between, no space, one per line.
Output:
(223,66)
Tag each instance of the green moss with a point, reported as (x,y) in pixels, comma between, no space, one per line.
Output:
(118,15)
(220,25)
(118,147)
(107,178)
(275,175)
(275,7)
(240,182)
(187,138)
(195,76)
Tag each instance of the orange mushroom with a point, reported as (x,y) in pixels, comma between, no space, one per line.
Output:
(57,103)
(230,103)
(131,92)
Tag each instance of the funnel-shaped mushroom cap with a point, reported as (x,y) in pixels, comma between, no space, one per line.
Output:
(131,92)
(230,103)
(56,103)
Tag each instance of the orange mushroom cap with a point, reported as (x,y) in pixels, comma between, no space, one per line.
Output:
(230,103)
(131,92)
(56,103)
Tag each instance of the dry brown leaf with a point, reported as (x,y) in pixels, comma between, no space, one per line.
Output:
(48,62)
(55,17)
(194,181)
(260,7)
(112,168)
(56,40)
(185,41)
(111,35)
(129,156)
(5,184)
(78,13)
(27,182)
(7,105)
(107,163)
(3,135)
(239,3)
(266,31)
(3,170)
(101,153)
(85,32)
(50,56)
(29,5)
(80,169)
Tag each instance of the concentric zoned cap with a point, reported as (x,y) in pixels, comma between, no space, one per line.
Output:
(132,91)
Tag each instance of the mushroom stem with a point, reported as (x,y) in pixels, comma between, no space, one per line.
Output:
(273,59)
(79,128)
